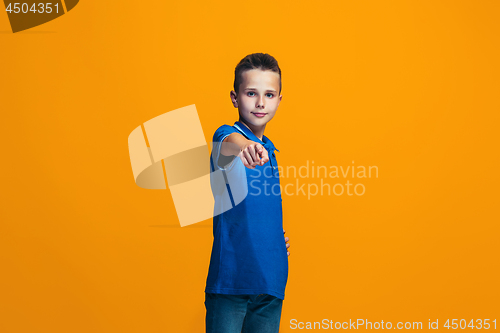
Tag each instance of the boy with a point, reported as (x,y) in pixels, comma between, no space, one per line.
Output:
(249,261)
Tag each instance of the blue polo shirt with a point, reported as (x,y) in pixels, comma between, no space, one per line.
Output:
(249,254)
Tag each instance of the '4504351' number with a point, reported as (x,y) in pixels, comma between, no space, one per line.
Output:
(35,8)
(478,324)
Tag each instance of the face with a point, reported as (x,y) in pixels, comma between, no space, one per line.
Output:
(258,98)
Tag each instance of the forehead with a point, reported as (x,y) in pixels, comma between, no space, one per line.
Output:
(258,78)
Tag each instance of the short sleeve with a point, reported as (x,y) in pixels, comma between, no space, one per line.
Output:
(220,134)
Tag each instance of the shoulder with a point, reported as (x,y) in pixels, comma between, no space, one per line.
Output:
(226,128)
(223,131)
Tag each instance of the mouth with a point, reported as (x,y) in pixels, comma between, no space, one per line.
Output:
(259,114)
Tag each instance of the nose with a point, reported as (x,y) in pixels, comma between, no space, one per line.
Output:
(260,102)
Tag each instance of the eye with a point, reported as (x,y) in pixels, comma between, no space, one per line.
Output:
(270,95)
(250,92)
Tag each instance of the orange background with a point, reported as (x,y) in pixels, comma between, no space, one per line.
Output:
(410,87)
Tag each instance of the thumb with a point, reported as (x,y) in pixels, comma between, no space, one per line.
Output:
(258,149)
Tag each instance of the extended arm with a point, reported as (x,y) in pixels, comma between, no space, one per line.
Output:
(250,152)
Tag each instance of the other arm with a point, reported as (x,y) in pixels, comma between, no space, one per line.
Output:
(286,242)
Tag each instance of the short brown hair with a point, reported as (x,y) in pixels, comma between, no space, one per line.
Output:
(262,61)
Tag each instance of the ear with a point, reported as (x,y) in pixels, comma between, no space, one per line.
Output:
(280,99)
(234,98)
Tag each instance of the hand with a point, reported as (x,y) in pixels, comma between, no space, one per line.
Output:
(286,242)
(253,154)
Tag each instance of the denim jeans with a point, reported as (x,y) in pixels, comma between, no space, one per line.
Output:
(242,313)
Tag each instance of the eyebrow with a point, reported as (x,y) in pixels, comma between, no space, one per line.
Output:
(272,90)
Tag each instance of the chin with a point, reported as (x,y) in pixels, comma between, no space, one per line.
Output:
(251,119)
(260,122)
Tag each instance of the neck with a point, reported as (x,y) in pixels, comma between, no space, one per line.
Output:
(258,131)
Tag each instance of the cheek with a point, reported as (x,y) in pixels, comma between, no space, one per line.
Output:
(275,103)
(246,101)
